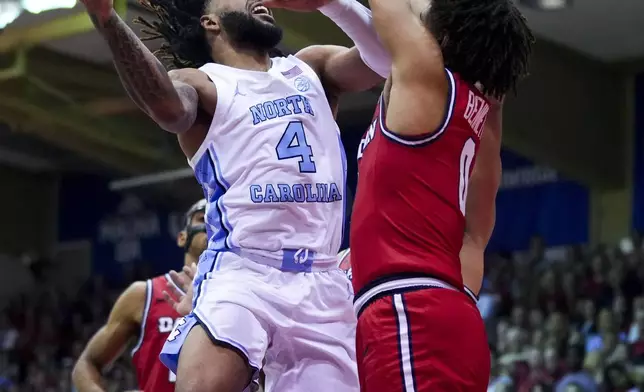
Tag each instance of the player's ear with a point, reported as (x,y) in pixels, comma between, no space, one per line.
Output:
(182,237)
(210,23)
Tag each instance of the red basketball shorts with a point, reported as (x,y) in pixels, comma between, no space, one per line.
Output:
(423,340)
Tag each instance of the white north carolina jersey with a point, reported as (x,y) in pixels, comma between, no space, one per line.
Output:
(272,166)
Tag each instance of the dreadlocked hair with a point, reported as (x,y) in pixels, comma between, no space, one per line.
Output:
(484,41)
(179,26)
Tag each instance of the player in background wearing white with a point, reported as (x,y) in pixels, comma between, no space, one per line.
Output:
(260,134)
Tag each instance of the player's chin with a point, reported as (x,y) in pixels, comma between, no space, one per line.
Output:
(265,18)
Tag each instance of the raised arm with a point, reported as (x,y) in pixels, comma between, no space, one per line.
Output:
(419,84)
(110,341)
(480,209)
(173,105)
(357,23)
(343,69)
(352,69)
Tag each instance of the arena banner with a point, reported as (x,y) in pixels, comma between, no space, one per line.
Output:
(537,200)
(638,156)
(123,228)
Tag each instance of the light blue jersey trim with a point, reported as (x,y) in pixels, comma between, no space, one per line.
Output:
(209,262)
(205,174)
(344,189)
(221,181)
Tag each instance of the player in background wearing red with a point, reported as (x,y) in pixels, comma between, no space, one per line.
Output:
(417,329)
(142,312)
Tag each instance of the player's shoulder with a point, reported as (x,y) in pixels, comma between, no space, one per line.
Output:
(158,283)
(131,302)
(188,75)
(315,53)
(315,56)
(135,295)
(136,289)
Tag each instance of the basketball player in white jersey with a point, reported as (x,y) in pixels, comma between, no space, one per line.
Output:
(261,137)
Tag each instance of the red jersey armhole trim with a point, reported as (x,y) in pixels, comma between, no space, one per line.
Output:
(169,279)
(421,140)
(471,294)
(144,319)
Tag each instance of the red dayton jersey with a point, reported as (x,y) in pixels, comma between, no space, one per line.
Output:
(408,217)
(157,323)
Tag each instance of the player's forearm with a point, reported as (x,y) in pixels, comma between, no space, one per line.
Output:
(356,21)
(485,181)
(494,124)
(472,265)
(142,74)
(415,53)
(86,376)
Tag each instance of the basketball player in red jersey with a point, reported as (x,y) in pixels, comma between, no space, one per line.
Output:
(417,329)
(480,207)
(141,311)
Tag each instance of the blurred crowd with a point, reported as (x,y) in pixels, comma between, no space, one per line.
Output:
(566,319)
(559,319)
(42,333)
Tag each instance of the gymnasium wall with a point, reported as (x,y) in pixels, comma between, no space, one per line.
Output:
(28,211)
(638,156)
(124,230)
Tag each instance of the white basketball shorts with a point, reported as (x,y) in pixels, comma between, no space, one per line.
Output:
(298,327)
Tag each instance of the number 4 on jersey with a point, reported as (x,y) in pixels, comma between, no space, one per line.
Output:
(293,144)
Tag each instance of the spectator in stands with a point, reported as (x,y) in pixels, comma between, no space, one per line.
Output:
(637,326)
(607,335)
(596,287)
(8,334)
(587,310)
(538,376)
(616,379)
(577,377)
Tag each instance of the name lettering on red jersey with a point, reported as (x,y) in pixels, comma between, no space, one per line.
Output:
(476,112)
(368,137)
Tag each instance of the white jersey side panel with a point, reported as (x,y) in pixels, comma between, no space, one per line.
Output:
(272,166)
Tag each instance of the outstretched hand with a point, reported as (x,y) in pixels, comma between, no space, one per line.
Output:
(495,103)
(296,5)
(181,300)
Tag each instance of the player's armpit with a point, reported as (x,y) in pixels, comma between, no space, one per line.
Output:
(420,86)
(110,340)
(196,93)
(341,69)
